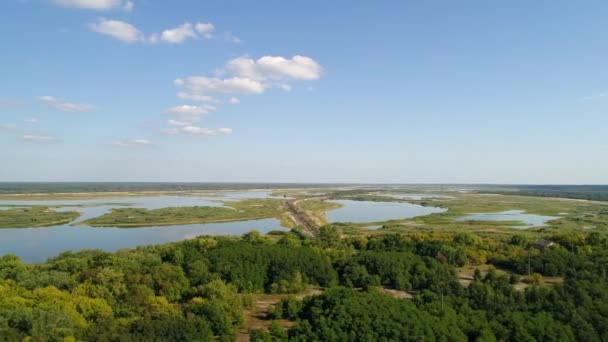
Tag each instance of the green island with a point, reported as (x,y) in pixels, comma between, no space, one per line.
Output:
(247,209)
(37,216)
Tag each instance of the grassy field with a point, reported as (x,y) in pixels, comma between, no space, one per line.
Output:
(316,209)
(34,217)
(249,209)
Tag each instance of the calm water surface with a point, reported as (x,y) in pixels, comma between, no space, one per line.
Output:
(38,244)
(529,220)
(369,211)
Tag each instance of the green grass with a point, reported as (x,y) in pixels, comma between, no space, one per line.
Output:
(34,217)
(316,208)
(249,209)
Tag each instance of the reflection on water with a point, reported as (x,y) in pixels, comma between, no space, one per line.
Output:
(369,211)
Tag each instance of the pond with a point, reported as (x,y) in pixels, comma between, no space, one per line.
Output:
(370,211)
(37,244)
(528,220)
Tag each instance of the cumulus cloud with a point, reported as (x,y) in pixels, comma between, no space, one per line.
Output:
(32,120)
(196,97)
(181,33)
(205,29)
(178,34)
(188,110)
(252,76)
(201,85)
(98,5)
(179,123)
(127,32)
(134,143)
(66,106)
(243,76)
(120,30)
(276,68)
(195,130)
(39,138)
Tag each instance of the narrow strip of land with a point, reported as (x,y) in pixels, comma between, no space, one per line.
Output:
(301,219)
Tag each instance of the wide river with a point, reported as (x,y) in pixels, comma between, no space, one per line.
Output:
(38,244)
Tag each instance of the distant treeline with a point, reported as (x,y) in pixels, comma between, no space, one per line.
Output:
(587,192)
(38,187)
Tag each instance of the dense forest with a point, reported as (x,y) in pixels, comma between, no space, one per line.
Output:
(199,289)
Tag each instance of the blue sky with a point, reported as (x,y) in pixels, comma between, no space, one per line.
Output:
(314,91)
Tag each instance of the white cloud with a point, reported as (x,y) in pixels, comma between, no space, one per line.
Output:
(126,32)
(285,87)
(178,34)
(249,76)
(179,123)
(195,130)
(236,85)
(118,29)
(32,120)
(98,5)
(66,106)
(205,29)
(188,110)
(39,138)
(134,143)
(244,76)
(196,97)
(276,68)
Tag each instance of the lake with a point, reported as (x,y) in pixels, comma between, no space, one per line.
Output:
(38,244)
(529,220)
(370,211)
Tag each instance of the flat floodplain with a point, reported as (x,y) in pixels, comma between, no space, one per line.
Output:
(75,221)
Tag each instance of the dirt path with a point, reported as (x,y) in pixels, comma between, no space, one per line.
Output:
(256,318)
